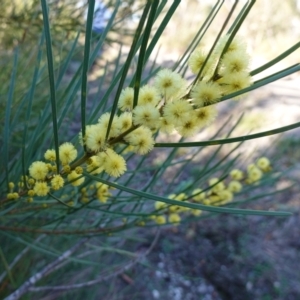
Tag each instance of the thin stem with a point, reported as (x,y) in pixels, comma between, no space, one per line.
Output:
(44,272)
(62,232)
(7,267)
(215,42)
(85,66)
(103,277)
(51,79)
(18,257)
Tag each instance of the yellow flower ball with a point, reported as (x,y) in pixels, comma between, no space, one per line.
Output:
(205,115)
(67,153)
(196,212)
(57,182)
(79,170)
(159,205)
(234,82)
(196,60)
(160,220)
(31,181)
(188,127)
(207,201)
(13,196)
(236,174)
(41,188)
(31,193)
(234,62)
(146,115)
(199,195)
(174,218)
(218,186)
(72,176)
(141,139)
(125,121)
(174,208)
(102,197)
(114,164)
(66,169)
(180,197)
(169,84)
(94,167)
(148,95)
(225,196)
(38,170)
(206,93)
(237,44)
(234,186)
(88,130)
(177,112)
(103,194)
(264,164)
(10,196)
(214,200)
(254,174)
(115,126)
(250,167)
(95,138)
(126,99)
(50,155)
(166,126)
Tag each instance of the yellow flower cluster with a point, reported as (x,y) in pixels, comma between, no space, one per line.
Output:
(221,75)
(12,195)
(43,177)
(255,171)
(217,193)
(167,105)
(98,190)
(102,192)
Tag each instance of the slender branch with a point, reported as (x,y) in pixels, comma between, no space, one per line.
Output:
(44,272)
(18,257)
(103,277)
(122,135)
(78,256)
(58,232)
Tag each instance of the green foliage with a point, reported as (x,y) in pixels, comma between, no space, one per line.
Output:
(46,110)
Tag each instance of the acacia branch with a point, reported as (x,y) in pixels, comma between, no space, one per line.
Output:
(62,231)
(19,256)
(44,272)
(105,276)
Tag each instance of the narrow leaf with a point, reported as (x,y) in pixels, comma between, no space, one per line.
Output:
(85,67)
(187,204)
(230,140)
(6,135)
(51,78)
(140,65)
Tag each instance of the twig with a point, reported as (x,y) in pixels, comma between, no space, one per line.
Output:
(18,257)
(62,231)
(68,261)
(48,269)
(103,277)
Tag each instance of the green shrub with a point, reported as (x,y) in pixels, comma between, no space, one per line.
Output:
(77,164)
